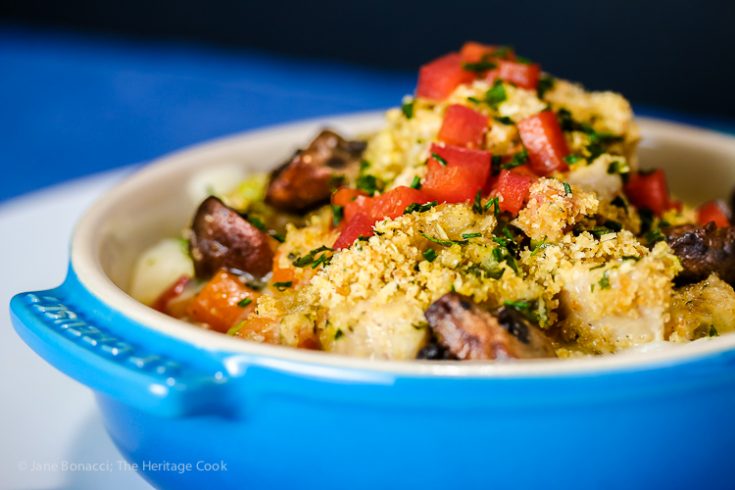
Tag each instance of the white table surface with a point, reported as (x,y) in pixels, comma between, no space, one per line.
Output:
(48,422)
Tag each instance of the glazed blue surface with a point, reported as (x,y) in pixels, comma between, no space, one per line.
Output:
(280,424)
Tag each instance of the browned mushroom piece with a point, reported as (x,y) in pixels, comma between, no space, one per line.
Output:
(703,250)
(307,180)
(222,238)
(470,332)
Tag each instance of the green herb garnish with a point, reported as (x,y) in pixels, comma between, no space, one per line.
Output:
(368,183)
(518,159)
(479,67)
(467,236)
(256,222)
(419,208)
(338,334)
(496,94)
(416,182)
(311,257)
(567,188)
(429,254)
(439,159)
(283,285)
(407,108)
(444,243)
(545,84)
(604,281)
(495,204)
(477,203)
(244,302)
(337,214)
(572,159)
(504,120)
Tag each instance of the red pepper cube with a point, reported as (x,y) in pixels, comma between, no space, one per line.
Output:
(361,204)
(513,188)
(649,191)
(463,126)
(440,77)
(544,140)
(473,52)
(344,196)
(713,212)
(393,203)
(520,74)
(457,174)
(360,225)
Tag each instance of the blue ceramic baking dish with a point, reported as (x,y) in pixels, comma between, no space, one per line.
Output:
(197,409)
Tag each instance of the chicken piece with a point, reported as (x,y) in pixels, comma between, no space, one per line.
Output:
(221,238)
(622,304)
(468,331)
(704,309)
(306,181)
(703,250)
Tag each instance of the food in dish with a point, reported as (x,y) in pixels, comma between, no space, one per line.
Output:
(500,213)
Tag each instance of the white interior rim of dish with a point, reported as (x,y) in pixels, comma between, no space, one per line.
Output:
(90,273)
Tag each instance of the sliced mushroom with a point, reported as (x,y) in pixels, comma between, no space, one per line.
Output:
(306,181)
(471,332)
(703,250)
(222,238)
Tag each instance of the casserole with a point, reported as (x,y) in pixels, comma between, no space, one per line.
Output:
(277,417)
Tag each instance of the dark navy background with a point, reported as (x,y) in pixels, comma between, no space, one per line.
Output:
(89,85)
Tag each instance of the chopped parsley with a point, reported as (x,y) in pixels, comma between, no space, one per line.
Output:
(518,159)
(617,167)
(604,281)
(407,108)
(479,67)
(416,182)
(545,84)
(244,302)
(439,159)
(337,214)
(483,271)
(444,243)
(312,259)
(477,203)
(619,202)
(539,246)
(257,222)
(429,254)
(369,184)
(279,237)
(567,188)
(419,208)
(282,285)
(495,204)
(496,94)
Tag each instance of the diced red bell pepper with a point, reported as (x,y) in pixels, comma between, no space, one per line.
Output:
(463,175)
(393,203)
(361,204)
(713,211)
(440,77)
(344,195)
(463,126)
(649,191)
(173,291)
(360,225)
(520,74)
(472,52)
(513,187)
(544,140)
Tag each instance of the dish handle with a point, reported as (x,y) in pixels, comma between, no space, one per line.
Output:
(159,375)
